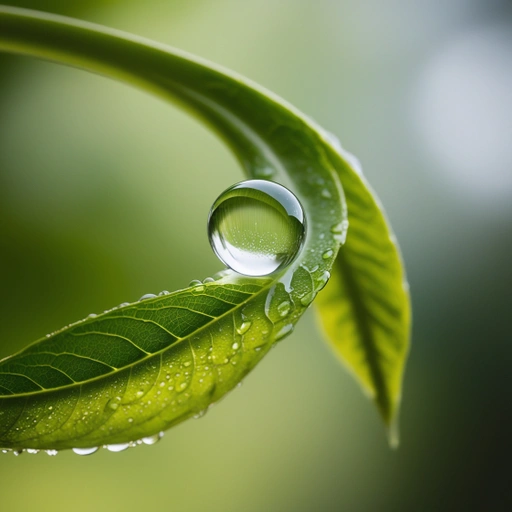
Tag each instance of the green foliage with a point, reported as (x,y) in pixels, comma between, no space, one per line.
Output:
(141,368)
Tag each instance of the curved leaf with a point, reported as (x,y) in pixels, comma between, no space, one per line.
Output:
(365,308)
(139,369)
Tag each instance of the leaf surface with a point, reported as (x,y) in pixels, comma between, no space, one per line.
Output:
(141,368)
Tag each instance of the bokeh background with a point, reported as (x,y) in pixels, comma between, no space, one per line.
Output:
(104,194)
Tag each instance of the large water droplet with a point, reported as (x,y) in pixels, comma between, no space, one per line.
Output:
(256,227)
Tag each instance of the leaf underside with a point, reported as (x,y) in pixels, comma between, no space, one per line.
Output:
(141,368)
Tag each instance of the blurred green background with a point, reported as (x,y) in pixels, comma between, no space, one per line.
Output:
(104,194)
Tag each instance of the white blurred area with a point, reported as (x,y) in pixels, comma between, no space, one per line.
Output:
(463,112)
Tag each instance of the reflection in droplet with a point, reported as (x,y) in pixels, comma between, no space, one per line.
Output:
(256,227)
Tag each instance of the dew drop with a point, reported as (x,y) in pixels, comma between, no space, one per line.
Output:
(117,447)
(164,292)
(322,280)
(284,308)
(32,450)
(52,453)
(284,331)
(243,328)
(85,451)
(208,280)
(327,254)
(235,346)
(152,439)
(256,227)
(17,452)
(148,296)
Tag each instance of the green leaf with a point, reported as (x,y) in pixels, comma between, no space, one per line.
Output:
(139,369)
(365,308)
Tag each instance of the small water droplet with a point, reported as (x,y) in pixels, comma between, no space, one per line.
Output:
(113,403)
(200,414)
(52,453)
(117,447)
(208,280)
(326,193)
(139,393)
(243,328)
(195,282)
(327,254)
(17,452)
(307,299)
(92,315)
(85,451)
(284,331)
(322,280)
(235,346)
(284,308)
(187,363)
(32,450)
(152,439)
(147,296)
(164,292)
(124,304)
(256,227)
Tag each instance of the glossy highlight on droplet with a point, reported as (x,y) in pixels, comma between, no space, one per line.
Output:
(256,227)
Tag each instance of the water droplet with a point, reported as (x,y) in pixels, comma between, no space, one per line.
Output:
(92,315)
(284,331)
(123,304)
(32,450)
(85,451)
(208,280)
(113,403)
(117,447)
(52,453)
(235,346)
(147,296)
(327,254)
(340,231)
(152,439)
(139,393)
(243,328)
(17,452)
(322,280)
(326,193)
(307,299)
(256,227)
(200,414)
(195,282)
(187,363)
(284,308)
(164,292)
